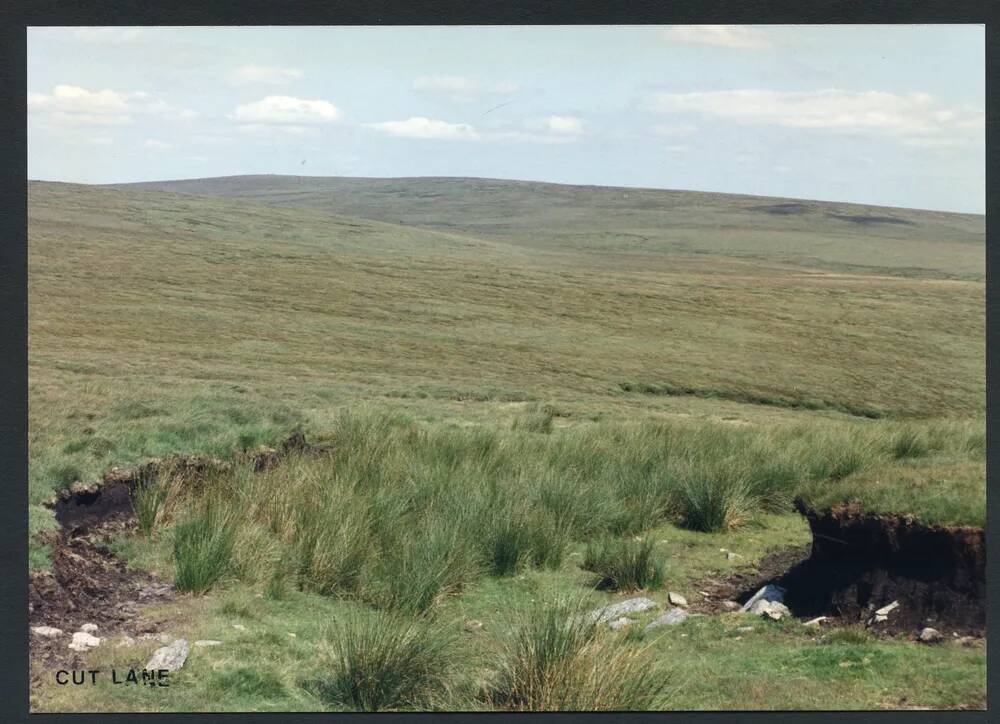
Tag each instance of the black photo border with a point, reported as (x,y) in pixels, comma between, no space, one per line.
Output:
(17,15)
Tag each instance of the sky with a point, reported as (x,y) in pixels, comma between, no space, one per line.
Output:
(877,114)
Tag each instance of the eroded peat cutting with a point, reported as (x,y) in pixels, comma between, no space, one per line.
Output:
(88,582)
(861,562)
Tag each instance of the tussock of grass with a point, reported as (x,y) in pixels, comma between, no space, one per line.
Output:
(203,547)
(558,660)
(623,565)
(384,662)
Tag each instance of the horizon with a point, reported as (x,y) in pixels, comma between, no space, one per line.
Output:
(882,115)
(511,180)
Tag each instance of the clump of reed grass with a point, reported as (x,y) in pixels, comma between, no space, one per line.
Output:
(385,662)
(623,565)
(558,660)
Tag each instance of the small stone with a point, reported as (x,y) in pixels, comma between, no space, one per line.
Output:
(769,593)
(207,642)
(620,623)
(731,605)
(83,641)
(617,610)
(886,610)
(929,635)
(671,618)
(676,599)
(730,556)
(704,594)
(48,632)
(170,657)
(745,629)
(815,621)
(239,627)
(473,626)
(90,628)
(292,635)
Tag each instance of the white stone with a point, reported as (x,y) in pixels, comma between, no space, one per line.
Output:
(929,635)
(90,628)
(620,623)
(48,632)
(676,599)
(671,618)
(617,610)
(83,641)
(239,627)
(207,642)
(815,621)
(886,610)
(170,658)
(770,593)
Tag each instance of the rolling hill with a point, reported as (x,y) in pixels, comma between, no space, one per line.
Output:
(832,236)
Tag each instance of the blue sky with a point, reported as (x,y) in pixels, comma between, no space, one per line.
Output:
(889,115)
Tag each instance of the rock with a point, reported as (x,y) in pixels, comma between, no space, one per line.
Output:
(48,632)
(882,614)
(774,610)
(730,556)
(617,610)
(170,657)
(770,593)
(125,641)
(676,599)
(886,610)
(929,635)
(815,621)
(671,618)
(745,629)
(620,623)
(207,642)
(731,606)
(473,626)
(90,628)
(83,641)
(239,627)
(292,635)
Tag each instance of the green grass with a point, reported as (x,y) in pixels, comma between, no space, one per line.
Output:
(383,662)
(623,565)
(203,549)
(494,397)
(558,660)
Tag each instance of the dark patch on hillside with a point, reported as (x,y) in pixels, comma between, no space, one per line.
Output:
(869,220)
(751,398)
(786,209)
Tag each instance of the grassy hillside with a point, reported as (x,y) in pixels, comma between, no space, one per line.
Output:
(628,221)
(160,319)
(526,409)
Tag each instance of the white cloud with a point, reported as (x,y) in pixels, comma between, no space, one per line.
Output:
(461,89)
(676,149)
(728,36)
(286,109)
(263,74)
(564,125)
(73,105)
(674,129)
(262,129)
(157,145)
(907,117)
(427,128)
